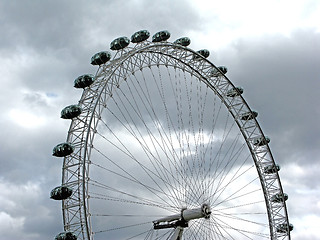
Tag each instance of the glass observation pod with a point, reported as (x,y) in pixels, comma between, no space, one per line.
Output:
(161,36)
(203,52)
(217,72)
(62,150)
(270,169)
(60,193)
(140,36)
(261,141)
(284,228)
(119,43)
(71,111)
(66,236)
(249,115)
(237,91)
(279,198)
(100,58)
(83,81)
(184,41)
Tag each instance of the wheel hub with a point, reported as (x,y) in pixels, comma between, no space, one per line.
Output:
(182,219)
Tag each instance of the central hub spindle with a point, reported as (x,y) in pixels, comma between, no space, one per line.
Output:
(182,219)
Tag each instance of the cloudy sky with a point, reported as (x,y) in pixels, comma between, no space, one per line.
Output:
(271,48)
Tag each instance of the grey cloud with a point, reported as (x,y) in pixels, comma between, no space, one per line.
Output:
(281,81)
(60,24)
(46,45)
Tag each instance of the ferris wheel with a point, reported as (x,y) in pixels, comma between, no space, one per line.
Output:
(162,145)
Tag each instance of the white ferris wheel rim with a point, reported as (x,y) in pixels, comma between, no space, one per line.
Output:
(143,55)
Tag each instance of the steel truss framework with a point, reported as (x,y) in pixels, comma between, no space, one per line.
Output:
(76,212)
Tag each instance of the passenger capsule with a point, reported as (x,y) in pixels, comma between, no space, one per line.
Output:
(248,115)
(284,228)
(66,236)
(83,81)
(119,43)
(203,52)
(161,36)
(261,141)
(100,58)
(184,41)
(216,72)
(270,169)
(278,198)
(140,36)
(71,111)
(237,91)
(60,193)
(62,150)
(223,69)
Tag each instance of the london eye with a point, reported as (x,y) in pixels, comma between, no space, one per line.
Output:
(162,145)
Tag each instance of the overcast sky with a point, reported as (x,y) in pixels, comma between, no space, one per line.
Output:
(271,48)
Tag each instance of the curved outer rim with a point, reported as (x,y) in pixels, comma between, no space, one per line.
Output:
(277,214)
